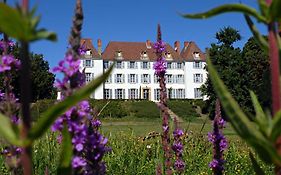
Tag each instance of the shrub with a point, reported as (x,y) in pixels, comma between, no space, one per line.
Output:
(40,106)
(144,109)
(183,108)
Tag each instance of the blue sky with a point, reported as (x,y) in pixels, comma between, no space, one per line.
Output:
(135,20)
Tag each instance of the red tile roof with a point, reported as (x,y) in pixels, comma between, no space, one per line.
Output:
(133,50)
(187,52)
(88,45)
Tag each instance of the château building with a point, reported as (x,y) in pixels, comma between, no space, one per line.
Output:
(133,76)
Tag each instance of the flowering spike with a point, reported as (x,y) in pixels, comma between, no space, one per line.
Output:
(159,34)
(219,142)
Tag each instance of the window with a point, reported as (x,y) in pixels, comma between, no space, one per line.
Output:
(132,78)
(107,93)
(168,55)
(180,65)
(198,78)
(180,93)
(106,64)
(109,79)
(197,93)
(145,78)
(132,65)
(179,79)
(119,78)
(171,93)
(169,78)
(88,52)
(119,93)
(133,93)
(89,77)
(145,65)
(88,63)
(156,94)
(144,55)
(119,65)
(156,78)
(169,65)
(197,65)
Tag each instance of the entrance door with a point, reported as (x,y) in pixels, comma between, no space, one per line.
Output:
(146,94)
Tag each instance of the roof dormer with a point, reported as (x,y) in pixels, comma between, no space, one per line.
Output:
(119,55)
(168,55)
(144,55)
(196,55)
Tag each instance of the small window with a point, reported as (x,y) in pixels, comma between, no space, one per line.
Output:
(197,65)
(168,55)
(119,54)
(144,55)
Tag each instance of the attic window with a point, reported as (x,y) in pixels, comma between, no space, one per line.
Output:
(118,54)
(168,55)
(144,55)
(196,55)
(88,52)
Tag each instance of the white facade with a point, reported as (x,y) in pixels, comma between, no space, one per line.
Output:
(136,80)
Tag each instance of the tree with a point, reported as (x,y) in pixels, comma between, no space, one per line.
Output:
(42,79)
(241,71)
(226,60)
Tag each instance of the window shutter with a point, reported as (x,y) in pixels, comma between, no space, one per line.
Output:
(136,65)
(136,78)
(128,65)
(115,78)
(92,63)
(141,65)
(137,94)
(123,93)
(122,65)
(92,76)
(149,78)
(123,78)
(129,78)
(110,93)
(115,93)
(84,63)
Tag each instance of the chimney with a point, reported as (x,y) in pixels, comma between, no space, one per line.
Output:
(99,47)
(177,46)
(148,44)
(186,43)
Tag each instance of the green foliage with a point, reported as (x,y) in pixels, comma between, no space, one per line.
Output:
(240,122)
(228,8)
(23,25)
(7,131)
(42,79)
(144,109)
(66,153)
(185,109)
(39,107)
(49,116)
(110,108)
(231,63)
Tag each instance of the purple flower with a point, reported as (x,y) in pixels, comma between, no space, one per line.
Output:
(178,133)
(219,142)
(177,147)
(78,162)
(96,123)
(8,62)
(179,165)
(160,66)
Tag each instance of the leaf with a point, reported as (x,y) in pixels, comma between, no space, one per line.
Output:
(255,165)
(263,7)
(260,39)
(12,23)
(7,131)
(66,153)
(262,120)
(228,8)
(49,116)
(44,34)
(242,125)
(276,123)
(274,10)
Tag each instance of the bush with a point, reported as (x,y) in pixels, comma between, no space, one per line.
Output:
(144,109)
(110,108)
(183,108)
(40,106)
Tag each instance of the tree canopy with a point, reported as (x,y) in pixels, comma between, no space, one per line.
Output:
(241,71)
(42,79)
